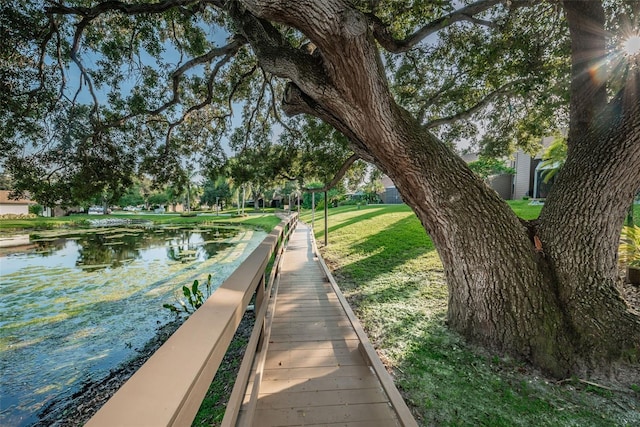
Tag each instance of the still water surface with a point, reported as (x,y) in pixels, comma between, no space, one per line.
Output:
(75,304)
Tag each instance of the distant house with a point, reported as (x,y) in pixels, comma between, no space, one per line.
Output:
(13,206)
(501,183)
(390,195)
(58,210)
(529,180)
(176,207)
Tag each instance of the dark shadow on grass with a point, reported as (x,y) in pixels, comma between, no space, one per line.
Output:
(366,214)
(449,382)
(399,245)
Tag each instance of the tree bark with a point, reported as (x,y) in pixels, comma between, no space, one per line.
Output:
(580,229)
(556,307)
(588,65)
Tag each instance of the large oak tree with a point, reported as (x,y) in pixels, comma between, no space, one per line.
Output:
(401,80)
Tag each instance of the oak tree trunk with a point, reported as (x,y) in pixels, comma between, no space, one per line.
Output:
(545,290)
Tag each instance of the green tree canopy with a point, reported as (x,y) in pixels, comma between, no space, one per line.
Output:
(487,166)
(216,191)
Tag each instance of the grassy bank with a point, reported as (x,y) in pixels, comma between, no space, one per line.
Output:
(392,275)
(266,221)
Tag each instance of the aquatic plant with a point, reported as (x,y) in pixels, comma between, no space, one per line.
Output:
(194,298)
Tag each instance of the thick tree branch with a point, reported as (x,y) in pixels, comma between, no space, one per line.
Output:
(337,177)
(297,102)
(386,39)
(126,8)
(275,54)
(504,90)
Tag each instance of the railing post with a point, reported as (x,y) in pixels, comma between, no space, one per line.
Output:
(260,300)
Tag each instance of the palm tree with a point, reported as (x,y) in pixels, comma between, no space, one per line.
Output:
(553,158)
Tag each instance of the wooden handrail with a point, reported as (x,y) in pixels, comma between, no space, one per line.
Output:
(257,340)
(169,388)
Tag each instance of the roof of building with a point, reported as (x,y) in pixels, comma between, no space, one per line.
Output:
(470,157)
(6,199)
(387,182)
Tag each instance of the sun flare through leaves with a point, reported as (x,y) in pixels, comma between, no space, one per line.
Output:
(631,45)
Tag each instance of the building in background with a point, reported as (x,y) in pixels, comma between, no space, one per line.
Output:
(13,206)
(390,195)
(528,180)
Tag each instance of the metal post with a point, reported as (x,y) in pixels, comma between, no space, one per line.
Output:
(326,219)
(244,197)
(313,209)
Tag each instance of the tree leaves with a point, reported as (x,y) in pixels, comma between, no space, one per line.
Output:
(167,77)
(509,70)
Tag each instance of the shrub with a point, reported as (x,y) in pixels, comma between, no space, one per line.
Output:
(35,209)
(629,250)
(194,298)
(18,216)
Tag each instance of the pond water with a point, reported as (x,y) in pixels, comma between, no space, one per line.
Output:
(75,304)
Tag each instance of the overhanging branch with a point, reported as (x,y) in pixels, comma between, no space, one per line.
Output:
(338,176)
(386,39)
(297,102)
(228,51)
(126,8)
(83,72)
(504,90)
(88,14)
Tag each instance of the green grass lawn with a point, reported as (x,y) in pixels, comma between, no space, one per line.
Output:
(388,268)
(524,210)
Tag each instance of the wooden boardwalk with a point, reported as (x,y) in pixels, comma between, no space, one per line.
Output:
(315,368)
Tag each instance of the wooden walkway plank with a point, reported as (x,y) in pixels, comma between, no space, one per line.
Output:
(314,371)
(316,385)
(326,414)
(285,400)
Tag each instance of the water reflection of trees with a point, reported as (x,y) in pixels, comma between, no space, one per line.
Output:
(99,250)
(213,248)
(214,240)
(188,244)
(111,248)
(48,247)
